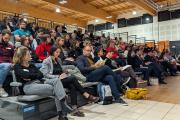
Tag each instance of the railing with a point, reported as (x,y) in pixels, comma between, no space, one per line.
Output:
(40,22)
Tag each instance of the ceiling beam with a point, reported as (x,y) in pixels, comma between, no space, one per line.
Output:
(88,1)
(159,1)
(42,5)
(112,4)
(87,9)
(122,9)
(20,7)
(143,5)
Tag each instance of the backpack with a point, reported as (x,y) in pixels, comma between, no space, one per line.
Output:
(104,93)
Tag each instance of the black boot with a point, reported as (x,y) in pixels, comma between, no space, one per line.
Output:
(149,84)
(61,116)
(66,108)
(161,81)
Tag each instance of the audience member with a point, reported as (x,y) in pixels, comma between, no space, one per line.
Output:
(6,53)
(33,83)
(99,73)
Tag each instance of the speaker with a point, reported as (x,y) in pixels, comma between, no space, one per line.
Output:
(91,28)
(134,21)
(146,18)
(122,22)
(175,14)
(164,15)
(109,26)
(100,27)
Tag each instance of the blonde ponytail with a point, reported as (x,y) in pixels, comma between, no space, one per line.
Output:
(19,55)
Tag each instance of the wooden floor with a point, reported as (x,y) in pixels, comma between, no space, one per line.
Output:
(169,93)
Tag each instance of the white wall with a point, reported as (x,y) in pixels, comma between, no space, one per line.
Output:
(166,30)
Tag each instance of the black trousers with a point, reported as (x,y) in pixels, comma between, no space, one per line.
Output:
(166,65)
(73,85)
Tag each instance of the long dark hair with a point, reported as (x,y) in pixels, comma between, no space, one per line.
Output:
(53,49)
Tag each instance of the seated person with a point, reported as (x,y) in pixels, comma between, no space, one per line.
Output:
(52,68)
(128,72)
(169,62)
(116,56)
(76,50)
(99,73)
(67,41)
(39,34)
(22,31)
(34,58)
(53,35)
(43,49)
(6,53)
(7,23)
(86,42)
(33,83)
(137,64)
(153,66)
(64,53)
(111,47)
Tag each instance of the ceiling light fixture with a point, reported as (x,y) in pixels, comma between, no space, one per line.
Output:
(58,10)
(134,12)
(147,19)
(108,17)
(25,19)
(62,1)
(96,20)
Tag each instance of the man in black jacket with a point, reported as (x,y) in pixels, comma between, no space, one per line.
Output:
(153,66)
(138,66)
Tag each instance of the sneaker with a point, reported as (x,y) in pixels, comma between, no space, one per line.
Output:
(62,116)
(3,93)
(121,101)
(162,82)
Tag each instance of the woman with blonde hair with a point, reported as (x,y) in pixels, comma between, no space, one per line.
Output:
(33,83)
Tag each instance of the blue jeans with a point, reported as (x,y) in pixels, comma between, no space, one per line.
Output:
(38,65)
(4,69)
(106,75)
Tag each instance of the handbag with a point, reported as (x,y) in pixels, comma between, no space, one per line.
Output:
(104,93)
(136,93)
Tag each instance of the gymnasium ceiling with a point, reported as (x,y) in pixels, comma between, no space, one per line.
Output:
(165,3)
(80,11)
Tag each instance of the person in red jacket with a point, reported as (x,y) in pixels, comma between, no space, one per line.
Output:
(121,61)
(111,47)
(44,47)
